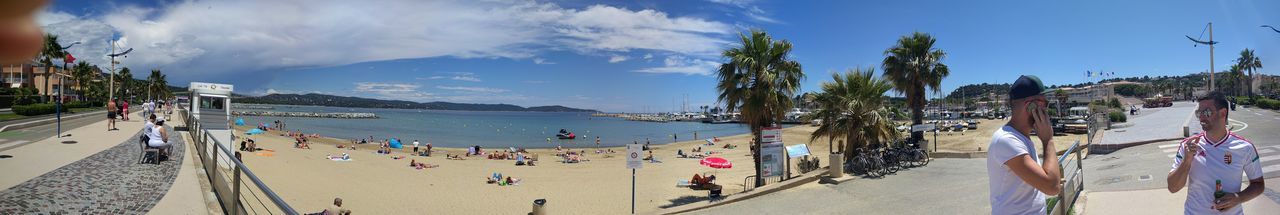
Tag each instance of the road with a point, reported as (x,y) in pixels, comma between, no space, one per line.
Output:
(19,137)
(1146,166)
(956,186)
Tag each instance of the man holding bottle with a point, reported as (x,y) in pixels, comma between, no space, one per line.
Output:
(1210,164)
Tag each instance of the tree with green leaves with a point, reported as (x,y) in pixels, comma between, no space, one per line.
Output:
(157,87)
(853,107)
(124,83)
(82,74)
(759,81)
(51,50)
(913,65)
(1061,96)
(1249,62)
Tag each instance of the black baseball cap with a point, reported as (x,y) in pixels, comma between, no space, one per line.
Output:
(1026,86)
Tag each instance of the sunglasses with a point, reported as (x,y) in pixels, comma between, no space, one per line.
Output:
(1204,113)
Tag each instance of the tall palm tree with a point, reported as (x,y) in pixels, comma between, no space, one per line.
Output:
(51,50)
(1249,62)
(126,81)
(759,81)
(853,107)
(157,87)
(82,74)
(913,65)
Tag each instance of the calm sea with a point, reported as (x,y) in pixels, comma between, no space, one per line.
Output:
(492,129)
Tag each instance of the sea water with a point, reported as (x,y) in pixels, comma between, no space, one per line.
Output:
(491,129)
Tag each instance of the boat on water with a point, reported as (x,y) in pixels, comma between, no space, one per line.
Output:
(564,134)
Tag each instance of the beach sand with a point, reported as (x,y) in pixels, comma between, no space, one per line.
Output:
(377,184)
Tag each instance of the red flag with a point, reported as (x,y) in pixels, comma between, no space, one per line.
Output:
(69,58)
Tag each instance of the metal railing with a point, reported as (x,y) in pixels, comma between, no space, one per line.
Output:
(226,174)
(749,182)
(1072,181)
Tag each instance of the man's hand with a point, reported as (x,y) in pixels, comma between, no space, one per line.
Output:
(1226,202)
(1044,129)
(1191,149)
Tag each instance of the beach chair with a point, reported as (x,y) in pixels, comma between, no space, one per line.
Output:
(714,193)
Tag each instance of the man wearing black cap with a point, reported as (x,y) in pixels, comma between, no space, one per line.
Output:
(1018,178)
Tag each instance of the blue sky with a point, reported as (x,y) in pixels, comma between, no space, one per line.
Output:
(637,55)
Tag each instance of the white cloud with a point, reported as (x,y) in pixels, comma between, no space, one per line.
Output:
(617,58)
(648,56)
(684,65)
(213,38)
(93,36)
(473,89)
(393,91)
(458,76)
(749,9)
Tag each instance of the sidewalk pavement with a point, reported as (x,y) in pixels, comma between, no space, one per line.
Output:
(1165,124)
(42,156)
(1160,201)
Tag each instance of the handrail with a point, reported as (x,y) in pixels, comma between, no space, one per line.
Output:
(1073,182)
(201,138)
(1063,157)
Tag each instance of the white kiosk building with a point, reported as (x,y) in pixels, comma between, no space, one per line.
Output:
(211,106)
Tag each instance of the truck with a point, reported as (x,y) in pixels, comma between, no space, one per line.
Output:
(1157,101)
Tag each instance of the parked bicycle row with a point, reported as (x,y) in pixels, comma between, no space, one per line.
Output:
(880,161)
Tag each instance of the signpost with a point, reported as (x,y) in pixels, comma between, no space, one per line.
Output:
(927,127)
(771,151)
(634,162)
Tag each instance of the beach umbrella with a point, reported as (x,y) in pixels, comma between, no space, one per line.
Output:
(240,121)
(717,163)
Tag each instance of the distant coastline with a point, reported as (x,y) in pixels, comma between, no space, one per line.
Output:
(313,99)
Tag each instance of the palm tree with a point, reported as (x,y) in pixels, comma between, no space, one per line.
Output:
(1250,62)
(157,87)
(853,106)
(48,52)
(82,74)
(912,65)
(126,81)
(759,81)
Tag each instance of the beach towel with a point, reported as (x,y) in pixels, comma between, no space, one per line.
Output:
(684,183)
(340,159)
(265,154)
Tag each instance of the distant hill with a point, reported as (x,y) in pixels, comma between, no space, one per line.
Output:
(346,101)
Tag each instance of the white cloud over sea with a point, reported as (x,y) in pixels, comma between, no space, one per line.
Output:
(216,38)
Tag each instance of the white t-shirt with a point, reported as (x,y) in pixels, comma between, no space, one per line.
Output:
(1009,194)
(1222,160)
(415,143)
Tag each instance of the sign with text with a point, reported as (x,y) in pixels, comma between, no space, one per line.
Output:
(633,156)
(798,150)
(771,152)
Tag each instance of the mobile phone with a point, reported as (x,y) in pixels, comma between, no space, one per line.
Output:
(1033,108)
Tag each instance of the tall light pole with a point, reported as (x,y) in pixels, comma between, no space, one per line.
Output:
(58,108)
(1210,43)
(111,92)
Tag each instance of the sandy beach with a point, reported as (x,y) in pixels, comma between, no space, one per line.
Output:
(374,183)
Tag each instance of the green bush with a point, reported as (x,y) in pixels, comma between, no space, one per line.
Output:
(34,109)
(1268,104)
(1117,116)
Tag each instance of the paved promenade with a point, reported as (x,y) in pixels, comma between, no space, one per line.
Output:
(94,171)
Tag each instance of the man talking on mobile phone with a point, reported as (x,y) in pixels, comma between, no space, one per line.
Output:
(1209,164)
(1019,178)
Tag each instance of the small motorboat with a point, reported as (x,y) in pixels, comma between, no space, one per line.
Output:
(566,135)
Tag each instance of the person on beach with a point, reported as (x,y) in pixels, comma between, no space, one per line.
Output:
(111,115)
(337,209)
(1210,164)
(1018,178)
(428,149)
(597,141)
(415,146)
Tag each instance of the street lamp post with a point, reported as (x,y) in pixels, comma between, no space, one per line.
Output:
(58,108)
(111,86)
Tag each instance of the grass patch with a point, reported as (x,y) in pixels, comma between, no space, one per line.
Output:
(1049,202)
(10,116)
